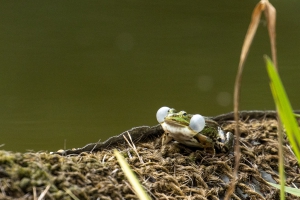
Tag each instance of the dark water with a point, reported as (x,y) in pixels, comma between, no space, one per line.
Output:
(83,71)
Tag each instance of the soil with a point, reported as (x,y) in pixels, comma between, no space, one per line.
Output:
(172,171)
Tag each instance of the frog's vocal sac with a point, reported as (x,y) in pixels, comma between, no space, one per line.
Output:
(193,130)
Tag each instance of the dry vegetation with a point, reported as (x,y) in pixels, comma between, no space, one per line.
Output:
(167,172)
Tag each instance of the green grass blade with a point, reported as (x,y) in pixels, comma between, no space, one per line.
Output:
(293,191)
(280,141)
(287,117)
(131,177)
(297,115)
(284,107)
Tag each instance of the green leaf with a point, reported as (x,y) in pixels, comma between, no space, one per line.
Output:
(294,191)
(284,108)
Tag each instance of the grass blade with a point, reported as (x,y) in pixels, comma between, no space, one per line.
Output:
(140,192)
(280,143)
(284,107)
(287,117)
(293,191)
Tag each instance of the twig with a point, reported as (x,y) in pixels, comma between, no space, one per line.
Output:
(103,159)
(34,193)
(95,146)
(133,146)
(42,195)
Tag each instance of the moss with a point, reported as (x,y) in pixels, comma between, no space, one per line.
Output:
(24,183)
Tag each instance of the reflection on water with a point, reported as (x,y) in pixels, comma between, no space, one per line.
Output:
(74,74)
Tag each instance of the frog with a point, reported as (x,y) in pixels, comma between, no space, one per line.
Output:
(193,130)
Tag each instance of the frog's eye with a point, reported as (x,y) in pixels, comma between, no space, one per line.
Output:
(162,113)
(171,111)
(197,123)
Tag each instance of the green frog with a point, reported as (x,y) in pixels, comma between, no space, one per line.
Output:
(193,130)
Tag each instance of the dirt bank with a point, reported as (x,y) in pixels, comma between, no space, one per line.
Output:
(166,172)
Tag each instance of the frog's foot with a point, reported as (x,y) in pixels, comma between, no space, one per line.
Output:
(210,150)
(166,138)
(225,142)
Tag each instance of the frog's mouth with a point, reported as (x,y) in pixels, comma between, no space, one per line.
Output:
(174,122)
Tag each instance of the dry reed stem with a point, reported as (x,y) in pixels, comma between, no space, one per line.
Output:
(270,14)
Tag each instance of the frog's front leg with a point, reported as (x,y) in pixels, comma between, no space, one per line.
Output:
(205,143)
(225,142)
(166,138)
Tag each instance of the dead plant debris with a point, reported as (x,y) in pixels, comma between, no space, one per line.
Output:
(168,172)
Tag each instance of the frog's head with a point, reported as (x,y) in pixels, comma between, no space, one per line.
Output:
(172,118)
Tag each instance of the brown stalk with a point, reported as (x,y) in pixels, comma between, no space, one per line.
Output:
(270,14)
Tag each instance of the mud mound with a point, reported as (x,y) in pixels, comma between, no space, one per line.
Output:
(167,172)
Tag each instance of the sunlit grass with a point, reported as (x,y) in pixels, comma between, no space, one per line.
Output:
(284,108)
(140,192)
(287,117)
(294,191)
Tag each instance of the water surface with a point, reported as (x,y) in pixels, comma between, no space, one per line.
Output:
(80,72)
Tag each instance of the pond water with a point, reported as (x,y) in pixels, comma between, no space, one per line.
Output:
(79,72)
